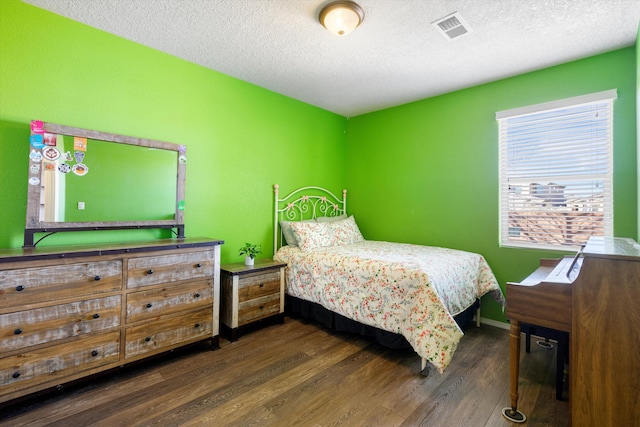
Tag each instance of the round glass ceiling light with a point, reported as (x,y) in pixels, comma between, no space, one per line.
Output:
(341,17)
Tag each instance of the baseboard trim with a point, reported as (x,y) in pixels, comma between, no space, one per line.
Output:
(495,323)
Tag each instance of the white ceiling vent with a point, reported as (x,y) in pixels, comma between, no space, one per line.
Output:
(452,26)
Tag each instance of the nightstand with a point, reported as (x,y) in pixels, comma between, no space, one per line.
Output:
(250,293)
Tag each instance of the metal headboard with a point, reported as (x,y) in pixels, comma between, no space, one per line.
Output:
(304,203)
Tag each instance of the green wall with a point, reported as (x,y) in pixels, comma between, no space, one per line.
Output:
(434,161)
(241,139)
(427,172)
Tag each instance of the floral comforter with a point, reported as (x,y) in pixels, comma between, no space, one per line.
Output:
(407,289)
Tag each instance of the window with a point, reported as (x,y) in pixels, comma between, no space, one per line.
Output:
(556,172)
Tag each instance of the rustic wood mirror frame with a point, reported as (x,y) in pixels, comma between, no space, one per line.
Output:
(34,225)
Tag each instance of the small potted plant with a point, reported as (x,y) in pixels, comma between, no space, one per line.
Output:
(250,251)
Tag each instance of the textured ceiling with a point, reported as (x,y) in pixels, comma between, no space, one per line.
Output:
(394,57)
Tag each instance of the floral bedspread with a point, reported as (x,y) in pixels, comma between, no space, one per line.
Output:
(402,288)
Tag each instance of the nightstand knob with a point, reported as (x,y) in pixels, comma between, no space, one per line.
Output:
(19,288)
(17,331)
(149,305)
(94,353)
(196,296)
(15,375)
(147,339)
(97,278)
(261,285)
(96,316)
(150,271)
(197,325)
(198,265)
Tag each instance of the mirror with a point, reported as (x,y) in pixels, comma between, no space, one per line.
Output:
(81,179)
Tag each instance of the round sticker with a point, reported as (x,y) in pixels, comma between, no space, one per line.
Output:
(80,169)
(64,168)
(34,180)
(50,153)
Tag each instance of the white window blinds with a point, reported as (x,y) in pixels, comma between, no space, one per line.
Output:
(556,170)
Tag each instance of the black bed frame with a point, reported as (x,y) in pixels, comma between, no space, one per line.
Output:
(296,307)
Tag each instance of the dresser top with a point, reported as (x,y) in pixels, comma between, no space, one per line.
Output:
(72,251)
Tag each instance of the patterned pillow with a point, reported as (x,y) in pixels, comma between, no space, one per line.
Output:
(289,236)
(311,235)
(345,231)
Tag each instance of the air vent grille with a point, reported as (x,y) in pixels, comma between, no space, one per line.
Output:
(452,26)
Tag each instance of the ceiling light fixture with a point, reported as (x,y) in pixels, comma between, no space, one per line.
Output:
(341,17)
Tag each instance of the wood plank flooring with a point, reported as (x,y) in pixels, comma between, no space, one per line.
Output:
(302,374)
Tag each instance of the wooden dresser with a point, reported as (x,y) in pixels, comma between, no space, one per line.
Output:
(69,312)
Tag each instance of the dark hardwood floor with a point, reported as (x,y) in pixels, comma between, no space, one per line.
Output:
(301,374)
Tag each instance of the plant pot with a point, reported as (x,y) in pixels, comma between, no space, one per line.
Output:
(248,260)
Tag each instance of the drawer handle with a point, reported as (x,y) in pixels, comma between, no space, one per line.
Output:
(15,375)
(97,278)
(149,305)
(262,307)
(17,331)
(261,285)
(150,271)
(19,288)
(94,353)
(96,316)
(147,339)
(196,296)
(197,325)
(198,265)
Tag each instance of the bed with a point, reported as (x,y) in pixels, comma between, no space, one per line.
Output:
(403,294)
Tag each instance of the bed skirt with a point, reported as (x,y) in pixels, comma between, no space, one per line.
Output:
(311,310)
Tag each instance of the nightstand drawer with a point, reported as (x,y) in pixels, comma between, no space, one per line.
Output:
(258,285)
(258,308)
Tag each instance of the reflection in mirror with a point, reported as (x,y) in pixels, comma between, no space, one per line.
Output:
(115,182)
(87,180)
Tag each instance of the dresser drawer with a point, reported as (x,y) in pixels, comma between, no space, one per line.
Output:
(169,332)
(147,271)
(57,362)
(32,327)
(158,302)
(258,285)
(258,308)
(32,285)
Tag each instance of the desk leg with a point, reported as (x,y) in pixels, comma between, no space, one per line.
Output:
(512,413)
